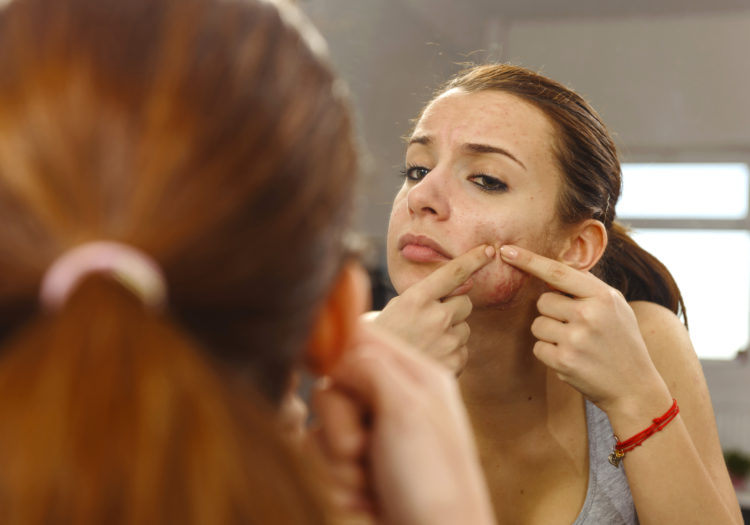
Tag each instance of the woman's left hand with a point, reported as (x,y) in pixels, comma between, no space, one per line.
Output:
(588,334)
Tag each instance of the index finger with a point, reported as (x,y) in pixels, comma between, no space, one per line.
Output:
(453,274)
(556,274)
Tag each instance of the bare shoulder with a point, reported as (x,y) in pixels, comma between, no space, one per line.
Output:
(661,328)
(674,357)
(669,345)
(658,321)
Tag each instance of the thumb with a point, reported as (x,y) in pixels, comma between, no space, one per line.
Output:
(447,279)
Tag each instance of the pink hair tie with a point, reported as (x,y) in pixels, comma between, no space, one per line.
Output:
(132,268)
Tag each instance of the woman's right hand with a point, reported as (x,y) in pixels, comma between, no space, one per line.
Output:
(393,423)
(431,315)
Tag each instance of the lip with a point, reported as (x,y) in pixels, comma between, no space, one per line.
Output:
(423,249)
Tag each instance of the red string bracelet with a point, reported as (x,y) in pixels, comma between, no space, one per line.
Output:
(621,447)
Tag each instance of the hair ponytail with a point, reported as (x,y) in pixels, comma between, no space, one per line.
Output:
(212,136)
(112,415)
(637,274)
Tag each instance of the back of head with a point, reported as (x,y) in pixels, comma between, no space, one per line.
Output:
(210,135)
(592,180)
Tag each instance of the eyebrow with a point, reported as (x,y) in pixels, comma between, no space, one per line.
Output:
(471,147)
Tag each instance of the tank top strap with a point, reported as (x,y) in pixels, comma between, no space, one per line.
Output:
(608,499)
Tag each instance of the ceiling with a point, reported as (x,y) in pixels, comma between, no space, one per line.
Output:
(540,9)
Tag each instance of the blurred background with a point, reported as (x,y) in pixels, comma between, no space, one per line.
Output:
(670,78)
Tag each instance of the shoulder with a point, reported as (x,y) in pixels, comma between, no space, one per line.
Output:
(672,353)
(648,313)
(659,324)
(669,345)
(674,357)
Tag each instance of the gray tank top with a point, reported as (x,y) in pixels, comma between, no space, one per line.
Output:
(608,499)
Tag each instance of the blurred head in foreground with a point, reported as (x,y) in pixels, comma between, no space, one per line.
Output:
(210,137)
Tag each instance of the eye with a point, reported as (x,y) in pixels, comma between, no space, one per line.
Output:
(415,173)
(488,183)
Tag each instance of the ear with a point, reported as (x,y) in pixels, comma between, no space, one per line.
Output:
(585,245)
(337,318)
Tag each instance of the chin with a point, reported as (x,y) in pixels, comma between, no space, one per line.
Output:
(402,278)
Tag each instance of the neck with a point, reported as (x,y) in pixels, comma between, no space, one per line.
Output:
(507,390)
(502,368)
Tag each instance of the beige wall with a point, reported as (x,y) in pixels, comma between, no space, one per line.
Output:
(669,83)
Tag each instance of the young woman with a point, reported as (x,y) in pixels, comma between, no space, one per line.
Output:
(175,180)
(570,336)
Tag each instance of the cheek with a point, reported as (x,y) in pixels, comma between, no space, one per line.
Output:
(496,285)
(399,213)
(402,275)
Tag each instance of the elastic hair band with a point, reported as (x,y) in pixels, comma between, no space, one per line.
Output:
(622,447)
(132,268)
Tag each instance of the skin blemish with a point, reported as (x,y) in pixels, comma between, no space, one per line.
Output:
(499,284)
(451,206)
(503,291)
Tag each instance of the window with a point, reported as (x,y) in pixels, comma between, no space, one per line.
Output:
(694,218)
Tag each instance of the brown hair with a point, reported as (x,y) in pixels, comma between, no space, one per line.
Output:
(592,177)
(211,136)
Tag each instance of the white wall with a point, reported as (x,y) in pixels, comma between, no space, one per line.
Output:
(729,385)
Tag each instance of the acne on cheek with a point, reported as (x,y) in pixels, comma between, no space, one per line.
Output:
(496,285)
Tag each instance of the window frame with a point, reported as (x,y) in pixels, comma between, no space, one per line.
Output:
(692,223)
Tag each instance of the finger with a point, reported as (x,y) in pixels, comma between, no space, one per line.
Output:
(546,353)
(343,501)
(450,341)
(370,316)
(461,333)
(455,273)
(558,275)
(347,474)
(345,478)
(340,419)
(556,306)
(547,329)
(292,415)
(404,359)
(456,361)
(369,372)
(382,370)
(459,307)
(462,289)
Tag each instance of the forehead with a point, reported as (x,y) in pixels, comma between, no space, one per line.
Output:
(489,117)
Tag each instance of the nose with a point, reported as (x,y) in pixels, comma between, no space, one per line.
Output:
(429,197)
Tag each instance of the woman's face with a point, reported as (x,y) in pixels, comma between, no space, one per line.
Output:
(479,169)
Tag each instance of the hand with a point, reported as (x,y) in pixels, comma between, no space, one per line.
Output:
(394,428)
(431,315)
(292,414)
(588,334)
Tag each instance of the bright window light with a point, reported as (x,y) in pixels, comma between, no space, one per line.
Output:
(675,191)
(717,295)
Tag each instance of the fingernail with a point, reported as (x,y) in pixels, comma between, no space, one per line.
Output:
(490,251)
(508,252)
